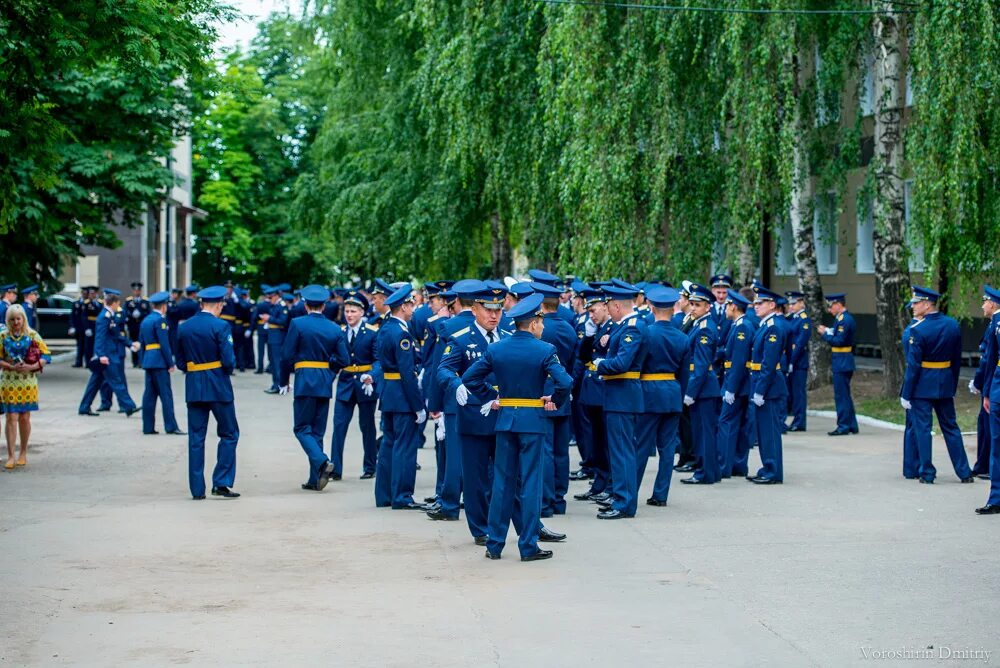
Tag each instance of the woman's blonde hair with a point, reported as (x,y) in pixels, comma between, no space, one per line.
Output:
(17,309)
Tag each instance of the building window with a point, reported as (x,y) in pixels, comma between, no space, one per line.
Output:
(784,258)
(866,95)
(827,101)
(864,260)
(914,242)
(825,232)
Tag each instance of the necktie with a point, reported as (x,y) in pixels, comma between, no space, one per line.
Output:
(490,337)
(350,337)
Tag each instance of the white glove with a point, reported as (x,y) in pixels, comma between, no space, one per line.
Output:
(589,328)
(597,362)
(366,378)
(72,331)
(283,389)
(758,400)
(688,400)
(729,398)
(368,389)
(462,395)
(88,332)
(485,410)
(135,346)
(439,428)
(905,403)
(421,416)
(972,386)
(420,379)
(247,334)
(135,313)
(791,368)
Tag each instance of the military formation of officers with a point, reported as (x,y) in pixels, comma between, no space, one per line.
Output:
(512,373)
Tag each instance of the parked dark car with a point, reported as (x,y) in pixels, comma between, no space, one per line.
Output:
(54,316)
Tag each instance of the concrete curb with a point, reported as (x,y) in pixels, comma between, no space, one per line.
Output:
(862,419)
(63,357)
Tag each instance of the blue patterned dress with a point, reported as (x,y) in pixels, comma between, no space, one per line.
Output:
(19,390)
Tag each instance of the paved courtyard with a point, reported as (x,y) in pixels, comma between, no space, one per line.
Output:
(108,562)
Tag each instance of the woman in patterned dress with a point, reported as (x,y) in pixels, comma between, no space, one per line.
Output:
(19,380)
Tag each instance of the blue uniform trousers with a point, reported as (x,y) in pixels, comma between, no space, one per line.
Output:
(733,438)
(88,345)
(396,470)
(439,458)
(111,374)
(477,471)
(921,417)
(274,344)
(158,387)
(309,415)
(343,413)
(228,432)
(659,431)
(911,455)
(106,392)
(79,360)
(451,486)
(598,455)
(581,431)
(704,422)
(846,419)
(797,387)
(982,443)
(261,348)
(994,499)
(768,420)
(518,472)
(621,451)
(555,481)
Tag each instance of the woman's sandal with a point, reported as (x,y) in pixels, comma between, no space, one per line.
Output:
(9,465)
(21,461)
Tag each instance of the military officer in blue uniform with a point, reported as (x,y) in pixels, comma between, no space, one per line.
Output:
(841,339)
(107,363)
(205,355)
(768,391)
(158,363)
(244,330)
(476,423)
(593,442)
(800,331)
(379,292)
(663,379)
(91,311)
(316,349)
(524,369)
(137,308)
(29,296)
(357,386)
(720,285)
(980,384)
(991,400)
(76,324)
(333,306)
(259,316)
(911,453)
(577,369)
(933,363)
(619,372)
(8,296)
(702,395)
(185,309)
(540,276)
(562,336)
(278,318)
(734,426)
(401,404)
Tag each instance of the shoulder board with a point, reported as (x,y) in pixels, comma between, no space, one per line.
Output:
(703,325)
(461,332)
(343,328)
(506,333)
(630,321)
(433,318)
(770,323)
(916,323)
(803,315)
(372,326)
(840,317)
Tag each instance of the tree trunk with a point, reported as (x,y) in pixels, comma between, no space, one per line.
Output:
(892,279)
(500,254)
(806,268)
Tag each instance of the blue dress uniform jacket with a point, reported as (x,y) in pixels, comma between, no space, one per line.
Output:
(734,427)
(911,454)
(432,348)
(591,402)
(154,336)
(461,351)
(933,362)
(397,356)
(737,358)
(156,358)
(703,387)
(703,383)
(277,326)
(991,390)
(555,458)
(840,336)
(767,379)
(262,307)
(984,374)
(521,366)
(563,336)
(447,381)
(110,341)
(801,331)
(350,393)
(311,342)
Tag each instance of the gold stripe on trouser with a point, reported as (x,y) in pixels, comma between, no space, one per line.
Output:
(522,403)
(206,366)
(628,375)
(657,376)
(844,349)
(935,365)
(153,346)
(358,368)
(312,365)
(391,375)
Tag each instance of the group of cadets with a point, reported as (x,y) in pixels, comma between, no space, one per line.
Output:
(512,373)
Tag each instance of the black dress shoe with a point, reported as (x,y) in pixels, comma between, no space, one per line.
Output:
(178,432)
(90,414)
(838,432)
(538,556)
(492,555)
(198,498)
(971,478)
(433,506)
(481,541)
(796,429)
(684,468)
(546,514)
(655,502)
(549,536)
(430,499)
(412,505)
(310,486)
(77,366)
(695,481)
(270,390)
(983,476)
(760,480)
(102,409)
(325,473)
(603,497)
(225,492)
(436,514)
(132,412)
(586,496)
(581,475)
(612,515)
(336,476)
(605,506)
(150,433)
(925,481)
(258,373)
(367,476)
(988,510)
